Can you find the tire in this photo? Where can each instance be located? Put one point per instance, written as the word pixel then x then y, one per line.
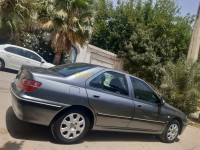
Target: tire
pixel 68 129
pixel 171 132
pixel 2 64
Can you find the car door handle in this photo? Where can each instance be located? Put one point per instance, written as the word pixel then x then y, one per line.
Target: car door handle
pixel 28 61
pixel 8 55
pixel 96 96
pixel 140 106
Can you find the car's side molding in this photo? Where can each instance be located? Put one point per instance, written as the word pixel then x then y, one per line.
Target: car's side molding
pixel 35 101
pixel 149 120
pixel 124 117
pixel 100 114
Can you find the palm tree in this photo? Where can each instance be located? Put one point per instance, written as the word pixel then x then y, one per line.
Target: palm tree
pixel 14 15
pixel 70 22
pixel 181 85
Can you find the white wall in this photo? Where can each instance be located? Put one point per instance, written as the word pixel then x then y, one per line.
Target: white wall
pixel 94 55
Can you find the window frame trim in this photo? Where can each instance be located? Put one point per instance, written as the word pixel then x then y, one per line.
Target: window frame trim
pixel 35 54
pixel 15 53
pixel 133 95
pixel 129 96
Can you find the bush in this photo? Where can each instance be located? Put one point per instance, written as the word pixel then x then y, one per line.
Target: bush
pixel 181 85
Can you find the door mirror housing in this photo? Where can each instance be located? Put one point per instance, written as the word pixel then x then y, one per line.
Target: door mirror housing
pixel 42 61
pixel 161 102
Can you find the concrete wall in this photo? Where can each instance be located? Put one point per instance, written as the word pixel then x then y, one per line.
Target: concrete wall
pixel 94 55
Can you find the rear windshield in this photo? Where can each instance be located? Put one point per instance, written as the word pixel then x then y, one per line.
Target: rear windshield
pixel 70 69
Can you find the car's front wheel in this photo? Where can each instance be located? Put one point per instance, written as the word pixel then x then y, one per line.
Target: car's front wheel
pixel 171 132
pixel 71 127
pixel 2 64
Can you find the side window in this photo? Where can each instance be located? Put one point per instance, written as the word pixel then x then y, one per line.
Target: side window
pixel 9 49
pixel 143 92
pixel 32 56
pixel 15 50
pixel 111 81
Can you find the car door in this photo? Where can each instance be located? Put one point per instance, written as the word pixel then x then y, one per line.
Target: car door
pixel 32 59
pixel 108 94
pixel 14 57
pixel 147 115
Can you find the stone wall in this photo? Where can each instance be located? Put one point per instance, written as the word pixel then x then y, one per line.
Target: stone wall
pixel 94 55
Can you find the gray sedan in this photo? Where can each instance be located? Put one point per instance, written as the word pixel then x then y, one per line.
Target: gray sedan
pixel 75 98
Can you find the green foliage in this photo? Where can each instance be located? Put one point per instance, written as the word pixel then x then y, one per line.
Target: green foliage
pixel 145 34
pixel 70 21
pixel 16 16
pixel 101 32
pixel 72 17
pixel 38 41
pixel 181 85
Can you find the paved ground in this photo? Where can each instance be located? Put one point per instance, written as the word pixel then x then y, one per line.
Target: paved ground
pixel 18 135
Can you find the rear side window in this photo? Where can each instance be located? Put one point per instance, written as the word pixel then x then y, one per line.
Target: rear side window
pixel 15 50
pixel 32 56
pixel 70 69
pixel 111 81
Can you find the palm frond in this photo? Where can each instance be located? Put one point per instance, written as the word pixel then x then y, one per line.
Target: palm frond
pixel 181 85
pixel 48 24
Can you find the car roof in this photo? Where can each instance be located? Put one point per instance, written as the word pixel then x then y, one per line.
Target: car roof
pixel 20 47
pixel 106 68
pixel 111 70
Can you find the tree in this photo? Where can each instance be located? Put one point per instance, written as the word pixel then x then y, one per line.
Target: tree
pixel 145 34
pixel 181 85
pixel 100 31
pixel 146 55
pixel 14 16
pixel 70 22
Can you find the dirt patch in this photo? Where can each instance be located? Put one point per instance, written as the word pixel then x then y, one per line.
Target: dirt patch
pixel 3 131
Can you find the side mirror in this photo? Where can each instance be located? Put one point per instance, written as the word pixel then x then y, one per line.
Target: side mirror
pixel 161 102
pixel 42 61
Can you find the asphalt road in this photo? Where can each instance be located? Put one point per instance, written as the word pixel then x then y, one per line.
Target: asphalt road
pixel 18 135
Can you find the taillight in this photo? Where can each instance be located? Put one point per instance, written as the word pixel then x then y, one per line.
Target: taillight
pixel 29 85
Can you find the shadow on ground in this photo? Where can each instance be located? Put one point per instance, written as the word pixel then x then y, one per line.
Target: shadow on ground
pixel 23 130
pixel 12 146
pixel 10 71
pixel 102 136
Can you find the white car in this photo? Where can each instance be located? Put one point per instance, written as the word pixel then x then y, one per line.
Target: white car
pixel 13 57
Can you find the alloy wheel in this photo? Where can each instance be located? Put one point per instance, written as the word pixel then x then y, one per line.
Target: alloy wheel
pixel 172 132
pixel 72 126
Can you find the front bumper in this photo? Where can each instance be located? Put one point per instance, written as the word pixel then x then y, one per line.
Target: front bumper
pixel 184 125
pixel 33 111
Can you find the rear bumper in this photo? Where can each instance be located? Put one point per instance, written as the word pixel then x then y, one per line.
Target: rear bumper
pixel 33 111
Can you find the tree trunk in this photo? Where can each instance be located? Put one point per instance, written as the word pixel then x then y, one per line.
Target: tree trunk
pixel 56 60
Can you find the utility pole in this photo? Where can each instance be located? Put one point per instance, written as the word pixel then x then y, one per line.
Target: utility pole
pixel 193 52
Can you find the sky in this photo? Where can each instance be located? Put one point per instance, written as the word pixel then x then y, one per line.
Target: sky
pixel 187 6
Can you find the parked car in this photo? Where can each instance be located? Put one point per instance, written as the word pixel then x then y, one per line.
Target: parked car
pixel 13 57
pixel 77 97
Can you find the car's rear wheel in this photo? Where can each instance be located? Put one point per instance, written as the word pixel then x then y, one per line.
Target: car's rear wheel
pixel 71 127
pixel 2 64
pixel 171 132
